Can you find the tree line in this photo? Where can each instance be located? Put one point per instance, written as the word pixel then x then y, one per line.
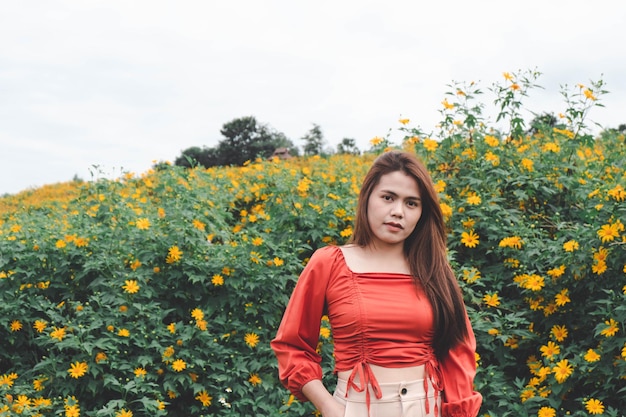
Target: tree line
pixel 245 139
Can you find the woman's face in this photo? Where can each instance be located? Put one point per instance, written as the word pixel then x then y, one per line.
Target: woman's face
pixel 393 209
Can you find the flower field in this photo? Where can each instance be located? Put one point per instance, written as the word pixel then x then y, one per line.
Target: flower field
pixel 158 294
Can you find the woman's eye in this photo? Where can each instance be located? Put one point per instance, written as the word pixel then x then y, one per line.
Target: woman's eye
pixel 387 197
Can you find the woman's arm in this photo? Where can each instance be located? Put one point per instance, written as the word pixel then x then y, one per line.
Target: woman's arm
pixel 317 393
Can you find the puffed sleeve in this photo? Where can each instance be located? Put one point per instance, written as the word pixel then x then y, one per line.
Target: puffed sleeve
pixel 298 334
pixel 458 369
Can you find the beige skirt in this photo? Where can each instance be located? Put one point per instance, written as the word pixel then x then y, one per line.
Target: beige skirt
pixel 399 399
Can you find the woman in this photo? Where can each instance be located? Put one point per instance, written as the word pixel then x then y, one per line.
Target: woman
pixel 403 343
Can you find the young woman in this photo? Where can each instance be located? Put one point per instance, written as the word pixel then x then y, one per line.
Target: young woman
pixel 403 343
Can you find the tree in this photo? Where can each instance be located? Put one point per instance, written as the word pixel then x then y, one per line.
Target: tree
pixel 246 139
pixel 540 122
pixel 314 141
pixel 348 146
pixel 195 155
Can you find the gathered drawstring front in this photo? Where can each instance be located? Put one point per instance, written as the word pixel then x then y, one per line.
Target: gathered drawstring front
pixel 367 379
pixel 433 373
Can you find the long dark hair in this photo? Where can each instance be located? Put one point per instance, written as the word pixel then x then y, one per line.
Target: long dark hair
pixel 425 248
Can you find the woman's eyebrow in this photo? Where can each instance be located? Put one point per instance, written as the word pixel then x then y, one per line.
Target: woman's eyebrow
pixel 393 193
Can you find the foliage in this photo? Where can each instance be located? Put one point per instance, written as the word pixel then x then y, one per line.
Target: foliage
pixel 348 145
pixel 314 141
pixel 245 139
pixel 158 294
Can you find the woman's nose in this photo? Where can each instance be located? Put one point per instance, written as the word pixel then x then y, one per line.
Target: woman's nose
pixel 397 210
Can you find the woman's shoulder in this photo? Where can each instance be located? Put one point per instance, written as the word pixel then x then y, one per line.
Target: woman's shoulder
pixel 330 251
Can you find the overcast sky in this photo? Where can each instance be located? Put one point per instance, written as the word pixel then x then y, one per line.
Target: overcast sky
pixel 120 84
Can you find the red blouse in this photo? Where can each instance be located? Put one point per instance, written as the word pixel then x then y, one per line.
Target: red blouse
pixel 376 318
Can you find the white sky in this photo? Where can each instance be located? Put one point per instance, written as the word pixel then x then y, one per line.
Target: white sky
pixel 120 84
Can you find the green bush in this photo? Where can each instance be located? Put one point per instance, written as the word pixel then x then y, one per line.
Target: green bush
pixel 158 294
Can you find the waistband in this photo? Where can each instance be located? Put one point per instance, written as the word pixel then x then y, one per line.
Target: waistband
pixel 389 391
pixel 367 380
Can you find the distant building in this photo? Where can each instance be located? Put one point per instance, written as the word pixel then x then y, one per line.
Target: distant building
pixel 282 153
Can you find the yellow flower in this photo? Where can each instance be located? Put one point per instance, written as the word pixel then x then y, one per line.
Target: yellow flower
pixel 611 329
pixel 375 141
pixel 512 342
pixel 197 314
pixel 493 158
pixel 562 297
pixel 592 356
pixel 217 280
pixel 254 379
pixel 38 384
pixel 550 350
pixel 140 372
pixel 559 332
pixel 278 261
pixel 447 105
pixel 546 412
pixel 527 164
pixel 446 210
pixel 257 241
pixel 123 333
pixel 491 300
pixel 556 272
pixel 507 76
pixel 404 121
pixel 470 239
pixel 178 365
pixel 347 232
pixel 599 267
pixel 251 339
pixel 440 186
pixel 143 224
pixel 511 242
pixel 594 406
pixel 562 370
pixel 101 356
pixel 532 282
pixel 471 275
pixel 135 265
pixel 618 193
pixel 609 232
pixel 589 94
pixel 172 328
pixel 174 255
pixel 430 145
pixel 199 225
pixel 58 333
pixel 204 398
pixel 124 413
pixel 16 326
pixel 473 200
pixel 60 244
pixel 72 410
pixel 570 246
pixel 168 352
pixel 492 141
pixel 77 369
pixel 551 147
pixel 469 223
pixel 325 332
pixel 130 286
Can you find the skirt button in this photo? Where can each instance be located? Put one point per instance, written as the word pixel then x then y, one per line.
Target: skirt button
pixel 403 391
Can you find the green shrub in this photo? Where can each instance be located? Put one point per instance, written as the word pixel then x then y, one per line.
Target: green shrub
pixel 158 294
